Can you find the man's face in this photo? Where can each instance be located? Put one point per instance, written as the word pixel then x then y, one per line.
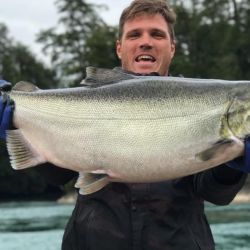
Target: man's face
pixel 146 45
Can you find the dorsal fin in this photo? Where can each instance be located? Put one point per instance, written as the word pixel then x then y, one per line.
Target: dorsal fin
pixel 25 86
pixel 99 76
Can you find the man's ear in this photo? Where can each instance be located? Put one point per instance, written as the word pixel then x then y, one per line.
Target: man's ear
pixel 118 48
pixel 172 49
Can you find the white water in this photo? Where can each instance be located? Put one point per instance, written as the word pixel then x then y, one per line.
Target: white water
pixel 39 225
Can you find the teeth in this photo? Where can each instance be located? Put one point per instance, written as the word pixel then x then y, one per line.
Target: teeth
pixel 145 57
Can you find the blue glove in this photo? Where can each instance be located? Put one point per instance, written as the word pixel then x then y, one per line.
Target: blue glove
pixel 6 109
pixel 242 163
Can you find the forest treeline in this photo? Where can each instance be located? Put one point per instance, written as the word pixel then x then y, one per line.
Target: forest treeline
pixel 212 41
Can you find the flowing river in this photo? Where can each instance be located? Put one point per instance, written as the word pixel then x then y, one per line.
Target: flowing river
pixel 39 225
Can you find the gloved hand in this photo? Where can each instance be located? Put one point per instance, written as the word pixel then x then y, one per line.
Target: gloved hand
pixel 6 109
pixel 242 163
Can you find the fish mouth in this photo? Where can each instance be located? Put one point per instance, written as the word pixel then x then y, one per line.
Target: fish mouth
pixel 145 58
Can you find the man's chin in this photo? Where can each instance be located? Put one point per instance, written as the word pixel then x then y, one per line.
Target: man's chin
pixel 145 70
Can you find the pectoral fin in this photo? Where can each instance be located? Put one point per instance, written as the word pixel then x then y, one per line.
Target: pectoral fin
pixel 218 149
pixel 90 183
pixel 22 154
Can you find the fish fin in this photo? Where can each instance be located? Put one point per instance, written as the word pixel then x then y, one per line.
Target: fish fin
pixel 216 150
pixel 25 86
pixel 90 183
pixel 21 153
pixel 96 77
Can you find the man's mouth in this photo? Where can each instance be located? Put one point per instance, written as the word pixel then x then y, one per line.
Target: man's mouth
pixel 145 58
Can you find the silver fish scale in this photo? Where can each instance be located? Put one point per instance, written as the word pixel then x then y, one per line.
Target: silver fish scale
pixel 141 130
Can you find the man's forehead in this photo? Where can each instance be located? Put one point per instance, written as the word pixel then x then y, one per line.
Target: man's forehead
pixel 146 21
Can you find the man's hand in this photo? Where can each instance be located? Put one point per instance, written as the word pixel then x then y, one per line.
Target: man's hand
pixel 6 109
pixel 242 163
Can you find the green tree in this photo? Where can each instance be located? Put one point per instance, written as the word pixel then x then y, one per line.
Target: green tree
pixel 212 39
pixel 80 39
pixel 100 46
pixel 18 63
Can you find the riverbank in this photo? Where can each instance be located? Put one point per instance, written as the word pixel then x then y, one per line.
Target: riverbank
pixel 242 197
pixel 40 225
pixel 69 198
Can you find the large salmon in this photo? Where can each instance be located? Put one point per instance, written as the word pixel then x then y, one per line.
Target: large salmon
pixel 120 127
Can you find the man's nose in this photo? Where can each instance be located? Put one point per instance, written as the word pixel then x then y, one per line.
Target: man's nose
pixel 146 42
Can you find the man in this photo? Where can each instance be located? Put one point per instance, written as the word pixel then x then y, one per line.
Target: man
pixel 165 215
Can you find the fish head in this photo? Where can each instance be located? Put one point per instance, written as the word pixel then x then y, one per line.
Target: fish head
pixel 238 117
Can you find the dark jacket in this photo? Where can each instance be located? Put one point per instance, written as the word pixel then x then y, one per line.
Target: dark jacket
pixel 157 216
pixel 165 215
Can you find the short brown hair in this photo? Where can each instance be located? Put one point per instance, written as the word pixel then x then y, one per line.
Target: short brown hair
pixel 151 7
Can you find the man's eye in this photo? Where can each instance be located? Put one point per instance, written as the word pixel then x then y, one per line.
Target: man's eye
pixel 133 35
pixel 158 35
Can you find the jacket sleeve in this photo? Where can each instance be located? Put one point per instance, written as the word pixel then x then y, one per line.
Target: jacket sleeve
pixel 55 175
pixel 219 185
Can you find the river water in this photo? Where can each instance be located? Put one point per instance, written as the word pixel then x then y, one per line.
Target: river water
pixel 39 225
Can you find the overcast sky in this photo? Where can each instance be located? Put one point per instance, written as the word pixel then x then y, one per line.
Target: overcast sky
pixel 25 18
